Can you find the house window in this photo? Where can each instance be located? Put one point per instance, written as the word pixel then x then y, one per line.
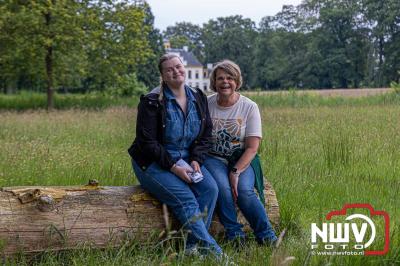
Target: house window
pixel 205 86
pixel 190 84
pixel 197 74
pixel 190 74
pixel 197 85
pixel 204 74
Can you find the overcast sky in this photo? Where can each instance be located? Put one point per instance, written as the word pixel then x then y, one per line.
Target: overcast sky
pixel 168 12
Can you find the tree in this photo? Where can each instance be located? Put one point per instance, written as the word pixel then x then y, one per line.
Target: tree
pixel 14 48
pixel 231 38
pixel 63 43
pixel 383 20
pixel 119 42
pixel 279 59
pixel 147 72
pixel 41 35
pixel 186 34
pixel 342 41
pixel 279 51
pixel 322 45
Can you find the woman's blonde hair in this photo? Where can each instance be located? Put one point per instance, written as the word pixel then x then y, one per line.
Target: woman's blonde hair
pixel 230 68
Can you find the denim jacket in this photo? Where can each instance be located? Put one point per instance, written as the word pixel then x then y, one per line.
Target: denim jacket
pixel 148 146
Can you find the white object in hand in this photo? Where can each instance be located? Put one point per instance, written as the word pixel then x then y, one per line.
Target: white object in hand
pixel 195 176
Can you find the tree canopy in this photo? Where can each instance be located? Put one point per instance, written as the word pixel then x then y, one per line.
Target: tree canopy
pixel 71 44
pixel 87 45
pixel 317 44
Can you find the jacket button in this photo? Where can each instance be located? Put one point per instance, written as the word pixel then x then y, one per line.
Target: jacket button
pixel 163 125
pixel 144 167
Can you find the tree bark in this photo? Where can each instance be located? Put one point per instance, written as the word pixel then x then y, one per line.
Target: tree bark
pixel 34 219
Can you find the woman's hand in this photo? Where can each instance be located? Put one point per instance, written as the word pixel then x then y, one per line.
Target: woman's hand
pixel 196 166
pixel 181 172
pixel 251 147
pixel 234 181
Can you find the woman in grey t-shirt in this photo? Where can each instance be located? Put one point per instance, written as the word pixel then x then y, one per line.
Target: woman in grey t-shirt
pixel 236 137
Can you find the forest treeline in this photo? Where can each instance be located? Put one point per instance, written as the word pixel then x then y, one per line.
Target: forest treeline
pixel 90 45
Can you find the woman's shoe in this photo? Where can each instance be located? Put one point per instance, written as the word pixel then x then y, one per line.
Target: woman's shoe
pixel 274 243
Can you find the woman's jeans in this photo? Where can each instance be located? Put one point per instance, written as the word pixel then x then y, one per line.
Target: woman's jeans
pixel 192 204
pixel 248 203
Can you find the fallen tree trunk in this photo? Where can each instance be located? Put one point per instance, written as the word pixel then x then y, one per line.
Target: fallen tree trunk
pixel 34 219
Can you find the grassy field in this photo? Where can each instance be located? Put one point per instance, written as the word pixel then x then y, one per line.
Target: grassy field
pixel 26 100
pixel 318 157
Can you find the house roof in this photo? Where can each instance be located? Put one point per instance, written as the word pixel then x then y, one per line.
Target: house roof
pixel 187 56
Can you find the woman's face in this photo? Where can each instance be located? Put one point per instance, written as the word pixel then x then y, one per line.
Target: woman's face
pixel 225 84
pixel 173 72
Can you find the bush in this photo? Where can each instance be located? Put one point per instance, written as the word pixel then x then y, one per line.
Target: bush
pixel 127 85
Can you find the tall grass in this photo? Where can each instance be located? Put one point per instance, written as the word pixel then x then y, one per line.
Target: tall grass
pixel 317 158
pixel 66 147
pixel 321 158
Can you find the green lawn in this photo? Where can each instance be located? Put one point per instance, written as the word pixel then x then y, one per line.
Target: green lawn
pixel 317 158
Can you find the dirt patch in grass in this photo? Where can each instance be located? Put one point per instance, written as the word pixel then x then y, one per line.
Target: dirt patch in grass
pixel 351 93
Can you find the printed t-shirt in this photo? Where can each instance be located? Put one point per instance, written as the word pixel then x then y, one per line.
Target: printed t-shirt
pixel 231 125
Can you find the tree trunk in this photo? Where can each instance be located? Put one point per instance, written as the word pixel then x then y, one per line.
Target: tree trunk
pixel 49 73
pixel 380 64
pixel 34 219
pixel 49 67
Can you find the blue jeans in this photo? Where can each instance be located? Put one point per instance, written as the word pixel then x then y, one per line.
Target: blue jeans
pixel 188 202
pixel 248 203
